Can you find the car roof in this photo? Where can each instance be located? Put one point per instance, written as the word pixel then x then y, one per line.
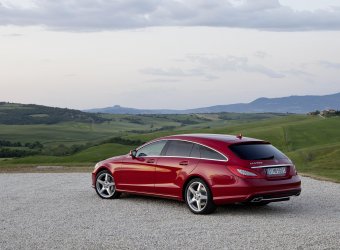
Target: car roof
pixel 204 138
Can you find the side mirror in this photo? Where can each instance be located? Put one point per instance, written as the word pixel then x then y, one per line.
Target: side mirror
pixel 133 153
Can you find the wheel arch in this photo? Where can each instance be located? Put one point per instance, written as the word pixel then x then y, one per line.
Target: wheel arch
pixel 101 168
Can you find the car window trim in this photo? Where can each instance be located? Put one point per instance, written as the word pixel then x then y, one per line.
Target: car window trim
pixel 188 157
pixel 170 139
pixel 271 166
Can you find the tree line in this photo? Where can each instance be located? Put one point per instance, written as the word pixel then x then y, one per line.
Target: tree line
pixel 10 149
pixel 33 145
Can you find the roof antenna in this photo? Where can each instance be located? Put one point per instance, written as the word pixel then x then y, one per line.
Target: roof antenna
pixel 239 136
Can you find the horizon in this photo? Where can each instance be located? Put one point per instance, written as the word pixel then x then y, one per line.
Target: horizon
pixel 168 54
pixel 141 108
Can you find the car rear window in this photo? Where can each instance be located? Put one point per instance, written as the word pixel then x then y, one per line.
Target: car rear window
pixel 256 151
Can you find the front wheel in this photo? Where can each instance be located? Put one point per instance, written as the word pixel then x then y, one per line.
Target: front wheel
pixel 106 186
pixel 198 197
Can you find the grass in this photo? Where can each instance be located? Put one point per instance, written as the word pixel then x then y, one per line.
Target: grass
pixel 320 160
pixel 311 142
pixel 83 158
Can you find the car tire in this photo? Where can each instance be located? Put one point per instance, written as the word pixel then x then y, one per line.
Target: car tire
pixel 198 197
pixel 105 185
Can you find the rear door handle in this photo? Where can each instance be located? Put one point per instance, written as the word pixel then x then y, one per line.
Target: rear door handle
pixel 150 161
pixel 184 163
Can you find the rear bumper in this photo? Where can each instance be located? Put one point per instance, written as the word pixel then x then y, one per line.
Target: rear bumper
pixel 275 196
pixel 248 190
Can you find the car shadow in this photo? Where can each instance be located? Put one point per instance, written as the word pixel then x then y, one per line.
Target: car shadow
pixel 148 198
pixel 275 208
pixel 270 209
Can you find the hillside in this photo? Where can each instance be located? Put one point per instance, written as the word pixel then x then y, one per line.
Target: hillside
pixel 117 109
pixel 312 142
pixel 65 138
pixel 14 113
pixel 291 104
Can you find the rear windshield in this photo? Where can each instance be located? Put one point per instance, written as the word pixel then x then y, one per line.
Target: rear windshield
pixel 257 151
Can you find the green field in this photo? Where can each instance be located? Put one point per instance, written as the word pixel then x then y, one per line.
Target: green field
pixel 312 142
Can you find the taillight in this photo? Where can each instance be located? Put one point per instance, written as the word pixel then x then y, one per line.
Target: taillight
pixel 243 173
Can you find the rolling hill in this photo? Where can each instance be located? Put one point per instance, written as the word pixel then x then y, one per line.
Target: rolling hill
pixel 312 142
pixel 53 136
pixel 291 104
pixel 20 114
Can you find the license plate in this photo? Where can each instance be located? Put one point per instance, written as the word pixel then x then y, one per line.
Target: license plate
pixel 276 171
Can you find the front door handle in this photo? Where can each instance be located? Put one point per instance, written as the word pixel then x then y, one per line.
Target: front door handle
pixel 150 161
pixel 184 163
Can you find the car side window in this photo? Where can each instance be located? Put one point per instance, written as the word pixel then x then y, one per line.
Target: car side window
pixel 195 152
pixel 179 148
pixel 152 149
pixel 210 154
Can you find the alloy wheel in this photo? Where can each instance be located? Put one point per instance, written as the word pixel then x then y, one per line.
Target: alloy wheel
pixel 105 185
pixel 197 196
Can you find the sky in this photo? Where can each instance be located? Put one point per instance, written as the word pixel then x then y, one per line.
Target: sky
pixel 166 54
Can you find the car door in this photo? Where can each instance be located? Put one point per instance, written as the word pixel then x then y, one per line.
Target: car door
pixel 137 174
pixel 173 167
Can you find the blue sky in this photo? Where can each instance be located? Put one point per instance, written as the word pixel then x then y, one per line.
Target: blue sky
pixel 166 54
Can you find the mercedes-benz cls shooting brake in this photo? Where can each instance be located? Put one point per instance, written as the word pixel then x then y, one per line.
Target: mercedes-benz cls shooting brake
pixel 204 170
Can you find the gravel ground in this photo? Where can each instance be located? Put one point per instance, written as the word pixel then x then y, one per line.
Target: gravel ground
pixel 62 211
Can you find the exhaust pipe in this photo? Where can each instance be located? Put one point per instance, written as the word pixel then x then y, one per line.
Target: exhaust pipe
pixel 257 199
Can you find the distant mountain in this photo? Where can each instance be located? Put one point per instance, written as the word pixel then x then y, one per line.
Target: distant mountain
pixel 290 104
pixel 24 114
pixel 117 109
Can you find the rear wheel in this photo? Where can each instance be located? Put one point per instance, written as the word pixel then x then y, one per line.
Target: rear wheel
pixel 198 197
pixel 105 185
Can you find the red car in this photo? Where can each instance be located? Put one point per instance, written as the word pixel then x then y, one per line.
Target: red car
pixel 204 170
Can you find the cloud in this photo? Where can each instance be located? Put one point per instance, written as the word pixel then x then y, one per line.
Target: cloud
pixel 261 54
pixel 94 15
pixel 298 73
pixel 179 72
pixel 173 72
pixel 160 80
pixel 234 63
pixel 13 35
pixel 330 65
pixel 207 66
